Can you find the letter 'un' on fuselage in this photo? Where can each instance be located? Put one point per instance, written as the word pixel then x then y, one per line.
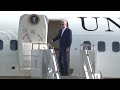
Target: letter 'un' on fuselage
pixel 96 23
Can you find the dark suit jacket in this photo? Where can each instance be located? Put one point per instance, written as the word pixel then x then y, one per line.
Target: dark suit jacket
pixel 65 40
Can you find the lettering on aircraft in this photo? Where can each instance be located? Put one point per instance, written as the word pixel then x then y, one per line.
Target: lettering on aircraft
pixel 96 21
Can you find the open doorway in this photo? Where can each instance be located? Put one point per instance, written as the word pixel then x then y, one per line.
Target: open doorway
pixel 53 29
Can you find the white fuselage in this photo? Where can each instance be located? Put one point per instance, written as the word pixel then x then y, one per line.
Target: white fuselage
pixel 107 62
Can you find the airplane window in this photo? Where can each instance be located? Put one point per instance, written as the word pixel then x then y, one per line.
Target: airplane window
pixel 101 46
pixel 89 43
pixel 13 45
pixel 1 44
pixel 115 47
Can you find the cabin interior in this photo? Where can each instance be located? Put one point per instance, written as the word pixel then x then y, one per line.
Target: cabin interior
pixel 53 29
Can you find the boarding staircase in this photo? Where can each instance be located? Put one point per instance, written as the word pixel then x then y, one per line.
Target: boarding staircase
pixel 88 57
pixel 41 62
pixel 45 62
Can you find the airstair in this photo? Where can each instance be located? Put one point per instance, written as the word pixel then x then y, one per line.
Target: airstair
pixel 44 63
pixel 88 57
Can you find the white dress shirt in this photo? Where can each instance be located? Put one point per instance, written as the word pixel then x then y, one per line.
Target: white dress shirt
pixel 62 31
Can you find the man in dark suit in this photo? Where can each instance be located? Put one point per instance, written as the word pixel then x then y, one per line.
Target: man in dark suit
pixel 65 39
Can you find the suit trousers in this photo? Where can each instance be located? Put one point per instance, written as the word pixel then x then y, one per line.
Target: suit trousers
pixel 63 63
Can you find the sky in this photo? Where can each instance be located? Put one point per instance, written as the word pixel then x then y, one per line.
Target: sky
pixel 15 15
pixel 65 14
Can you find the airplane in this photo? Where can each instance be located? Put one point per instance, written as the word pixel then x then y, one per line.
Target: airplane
pixel 95 45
